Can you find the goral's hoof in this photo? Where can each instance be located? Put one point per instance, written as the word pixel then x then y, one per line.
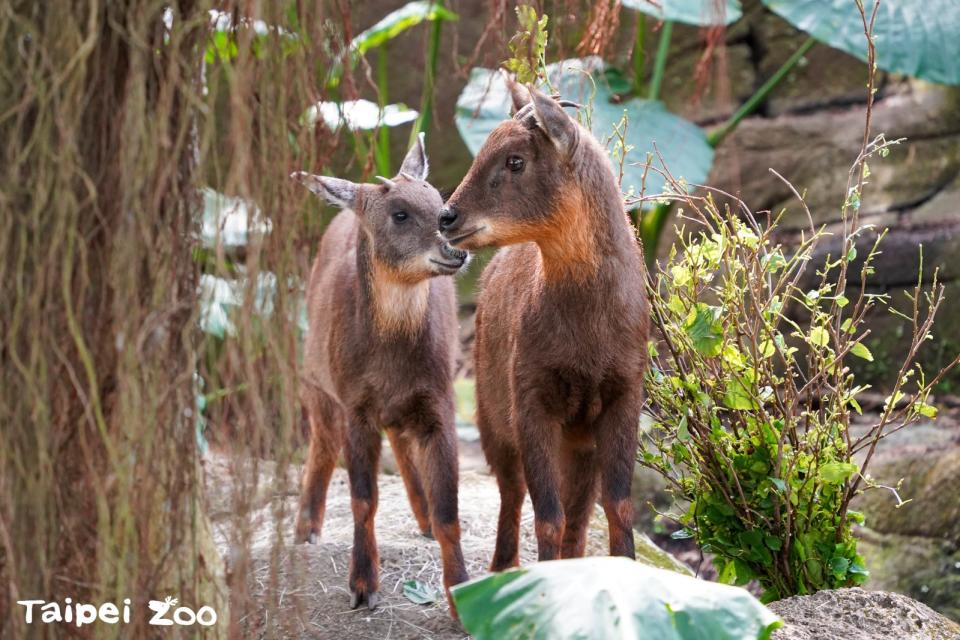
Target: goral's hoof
pixel 359 597
pixel 306 530
pixel 306 535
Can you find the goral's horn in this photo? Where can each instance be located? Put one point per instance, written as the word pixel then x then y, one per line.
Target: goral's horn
pixel 408 176
pixel 525 111
pixel 387 181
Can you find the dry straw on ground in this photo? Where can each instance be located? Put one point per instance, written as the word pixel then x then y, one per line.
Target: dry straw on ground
pixel 301 590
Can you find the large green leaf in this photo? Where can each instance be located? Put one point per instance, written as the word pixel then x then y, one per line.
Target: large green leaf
pixel 916 37
pixel 395 22
pixel 608 598
pixel 230 222
pixel 223 38
pixel 389 27
pixel 220 300
pixel 420 593
pixel 696 12
pixel 485 103
pixel 358 115
pixel 705 330
pixel 837 472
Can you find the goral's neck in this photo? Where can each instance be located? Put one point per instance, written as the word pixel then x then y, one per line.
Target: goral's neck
pixel 568 245
pixel 396 305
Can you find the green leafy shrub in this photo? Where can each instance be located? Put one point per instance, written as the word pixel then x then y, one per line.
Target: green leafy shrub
pixel 528 45
pixel 752 407
pixel 608 598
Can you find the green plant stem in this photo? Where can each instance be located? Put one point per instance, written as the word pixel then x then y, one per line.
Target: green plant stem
pixel 660 63
pixel 651 225
pixel 716 136
pixel 360 148
pixel 220 394
pixel 382 149
pixel 639 60
pixel 426 102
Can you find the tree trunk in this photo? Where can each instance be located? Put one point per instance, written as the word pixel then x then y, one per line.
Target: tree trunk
pixel 98 209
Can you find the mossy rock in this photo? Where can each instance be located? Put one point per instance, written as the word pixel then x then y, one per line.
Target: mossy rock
pixel 926 569
pixel 649 496
pixel 896 271
pixel 930 482
pixel 889 342
pixel 647 550
pixel 649 553
pixel 814 150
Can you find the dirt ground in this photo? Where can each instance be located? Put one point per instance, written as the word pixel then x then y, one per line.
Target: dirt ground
pixel 300 591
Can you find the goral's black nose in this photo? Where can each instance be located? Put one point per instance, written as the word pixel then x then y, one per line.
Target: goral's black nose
pixel 447 218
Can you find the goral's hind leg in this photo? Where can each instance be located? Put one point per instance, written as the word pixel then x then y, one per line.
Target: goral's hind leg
pixel 502 454
pixel 504 461
pixel 326 440
pixel 437 437
pixel 617 447
pixel 578 470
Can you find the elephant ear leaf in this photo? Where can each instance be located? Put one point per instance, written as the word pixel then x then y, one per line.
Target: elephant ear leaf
pixel 608 598
pixel 913 37
pixel 699 13
pixel 396 22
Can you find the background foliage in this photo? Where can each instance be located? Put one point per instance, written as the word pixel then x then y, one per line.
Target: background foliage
pixel 112 123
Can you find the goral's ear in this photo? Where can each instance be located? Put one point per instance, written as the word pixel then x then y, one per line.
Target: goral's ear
pixel 340 193
pixel 553 120
pixel 518 93
pixel 415 164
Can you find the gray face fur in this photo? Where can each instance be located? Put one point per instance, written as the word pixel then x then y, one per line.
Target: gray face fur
pixel 399 217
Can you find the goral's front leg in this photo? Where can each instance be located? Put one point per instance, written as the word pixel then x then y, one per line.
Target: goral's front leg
pixel 363 456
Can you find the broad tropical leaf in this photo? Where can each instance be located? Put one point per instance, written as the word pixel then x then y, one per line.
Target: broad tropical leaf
pixel 699 13
pixel 913 37
pixel 395 22
pixel 358 115
pixel 389 27
pixel 837 472
pixel 420 593
pixel 604 597
pixel 230 221
pixel 221 298
pixel 223 41
pixel 485 103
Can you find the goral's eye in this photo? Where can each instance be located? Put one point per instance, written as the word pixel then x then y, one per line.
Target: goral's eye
pixel 399 216
pixel 515 163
